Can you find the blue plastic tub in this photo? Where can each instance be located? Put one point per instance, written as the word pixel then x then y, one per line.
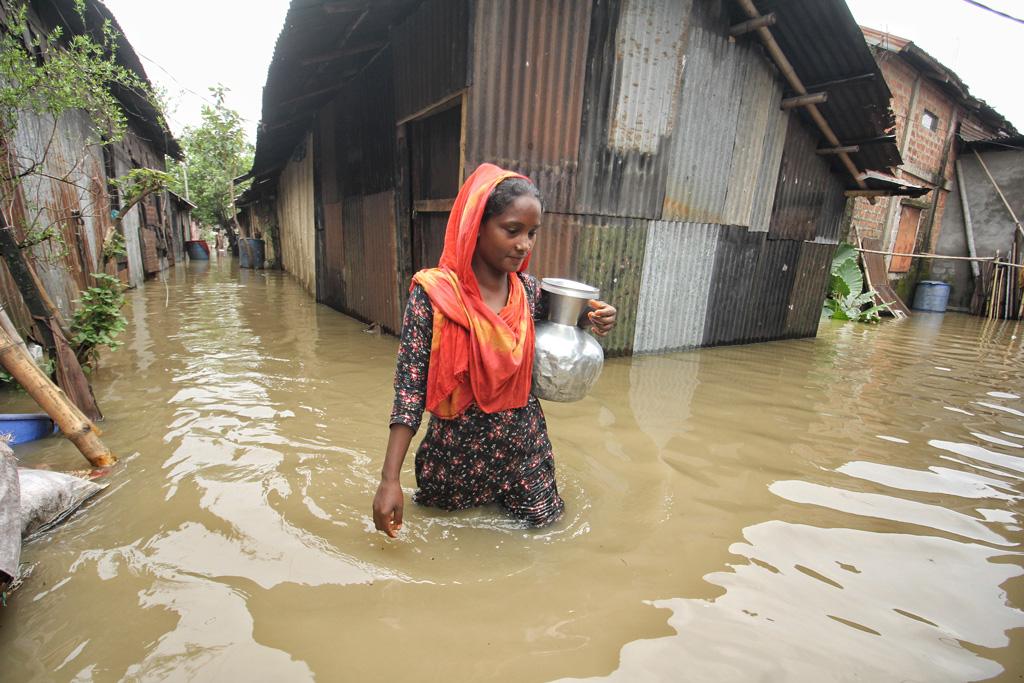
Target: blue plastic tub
pixel 198 250
pixel 25 426
pixel 931 295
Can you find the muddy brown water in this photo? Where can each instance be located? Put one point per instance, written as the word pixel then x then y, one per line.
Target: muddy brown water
pixel 846 507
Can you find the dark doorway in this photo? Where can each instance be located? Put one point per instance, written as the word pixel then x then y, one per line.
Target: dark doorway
pixel 434 159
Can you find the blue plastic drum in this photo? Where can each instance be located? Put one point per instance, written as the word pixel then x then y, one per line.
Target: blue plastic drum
pixel 931 295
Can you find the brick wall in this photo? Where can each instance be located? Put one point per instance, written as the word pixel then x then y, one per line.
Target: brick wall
pixel 922 155
pixel 868 218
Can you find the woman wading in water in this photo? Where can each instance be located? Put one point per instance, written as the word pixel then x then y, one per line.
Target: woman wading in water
pixel 467 355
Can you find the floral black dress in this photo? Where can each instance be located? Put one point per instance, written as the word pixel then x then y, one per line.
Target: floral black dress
pixel 476 458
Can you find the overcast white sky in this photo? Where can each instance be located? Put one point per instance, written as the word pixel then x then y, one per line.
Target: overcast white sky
pixel 189 45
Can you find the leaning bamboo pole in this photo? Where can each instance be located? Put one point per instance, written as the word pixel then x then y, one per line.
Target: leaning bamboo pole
pixel 72 422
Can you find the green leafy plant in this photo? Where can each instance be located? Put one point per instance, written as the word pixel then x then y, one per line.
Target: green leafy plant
pixel 847 298
pixel 98 320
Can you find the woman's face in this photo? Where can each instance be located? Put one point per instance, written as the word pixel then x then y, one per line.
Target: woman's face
pixel 506 239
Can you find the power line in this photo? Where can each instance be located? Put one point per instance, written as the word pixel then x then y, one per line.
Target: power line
pixel 184 87
pixel 994 11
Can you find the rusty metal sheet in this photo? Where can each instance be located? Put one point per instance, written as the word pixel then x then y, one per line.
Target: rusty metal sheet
pixel 525 103
pixel 634 70
pixel 611 257
pixel 371 262
pixel 801 189
pixel 701 151
pixel 332 267
pixel 729 304
pixel 555 253
pixel 677 276
pixel 431 54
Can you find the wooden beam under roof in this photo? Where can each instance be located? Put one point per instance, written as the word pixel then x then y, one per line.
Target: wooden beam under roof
pixel 752 25
pixel 786 67
pixel 345 52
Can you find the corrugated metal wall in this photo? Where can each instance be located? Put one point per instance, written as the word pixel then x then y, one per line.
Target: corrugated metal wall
pixel 78 208
pixel 295 215
pixel 635 63
pixel 556 252
pixel 809 289
pixel 371 266
pixel 431 53
pixel 771 288
pixel 677 277
pixel 758 127
pixel 365 130
pixel 728 306
pixel 802 186
pixel 611 256
pixel 525 106
pixel 702 145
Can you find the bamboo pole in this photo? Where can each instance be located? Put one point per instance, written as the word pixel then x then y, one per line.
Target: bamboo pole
pixel 965 209
pixel 798 88
pixel 76 426
pixel 941 257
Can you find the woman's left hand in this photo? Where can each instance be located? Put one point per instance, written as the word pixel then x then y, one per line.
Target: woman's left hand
pixel 602 317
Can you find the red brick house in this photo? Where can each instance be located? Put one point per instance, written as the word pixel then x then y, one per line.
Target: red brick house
pixel 933 107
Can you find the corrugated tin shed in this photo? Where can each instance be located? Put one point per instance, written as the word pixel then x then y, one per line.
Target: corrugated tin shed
pixel 672 178
pixel 139 109
pixel 323 46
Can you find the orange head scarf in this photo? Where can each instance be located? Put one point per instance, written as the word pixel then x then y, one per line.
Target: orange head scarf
pixel 476 354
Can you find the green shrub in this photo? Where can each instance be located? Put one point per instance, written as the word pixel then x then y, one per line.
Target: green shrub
pixel 847 298
pixel 98 320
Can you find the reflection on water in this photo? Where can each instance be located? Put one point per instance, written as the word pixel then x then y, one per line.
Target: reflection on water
pixel 831 509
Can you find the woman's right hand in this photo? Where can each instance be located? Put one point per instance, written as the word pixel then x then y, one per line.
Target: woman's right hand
pixel 387 507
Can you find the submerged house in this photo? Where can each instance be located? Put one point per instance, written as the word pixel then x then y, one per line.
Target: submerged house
pixel 72 194
pixel 695 156
pixel 936 116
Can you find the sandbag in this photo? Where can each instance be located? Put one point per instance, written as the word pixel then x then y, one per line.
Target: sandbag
pixel 48 497
pixel 10 515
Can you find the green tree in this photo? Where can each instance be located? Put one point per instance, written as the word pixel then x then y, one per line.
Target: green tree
pixel 216 152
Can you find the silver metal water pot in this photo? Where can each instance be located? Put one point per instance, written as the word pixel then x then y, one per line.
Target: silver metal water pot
pixel 566 360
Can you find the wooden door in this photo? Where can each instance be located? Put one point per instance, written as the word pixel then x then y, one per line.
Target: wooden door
pixel 434 158
pixel 906 239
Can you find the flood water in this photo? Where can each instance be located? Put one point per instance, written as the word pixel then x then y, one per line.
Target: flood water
pixel 840 508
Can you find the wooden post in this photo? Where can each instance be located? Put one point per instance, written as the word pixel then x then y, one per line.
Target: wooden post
pixel 27 284
pixel 805 100
pixel 848 149
pixel 968 225
pixel 77 427
pixel 752 25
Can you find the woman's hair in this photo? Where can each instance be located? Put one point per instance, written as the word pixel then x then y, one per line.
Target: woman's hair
pixel 506 192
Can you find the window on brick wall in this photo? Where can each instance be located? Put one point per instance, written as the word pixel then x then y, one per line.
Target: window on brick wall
pixel 930 120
